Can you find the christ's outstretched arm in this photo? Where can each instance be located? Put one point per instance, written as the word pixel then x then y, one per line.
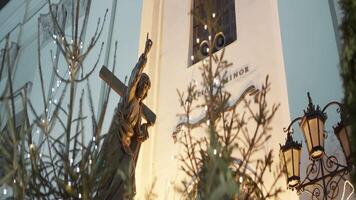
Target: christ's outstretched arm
pixel 137 71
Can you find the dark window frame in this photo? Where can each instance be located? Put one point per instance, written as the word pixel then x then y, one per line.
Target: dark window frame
pixel 225 12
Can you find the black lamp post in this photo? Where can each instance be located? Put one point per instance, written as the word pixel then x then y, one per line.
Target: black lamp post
pixel 324 172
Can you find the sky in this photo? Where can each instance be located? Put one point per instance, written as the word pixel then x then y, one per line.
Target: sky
pixel 310 53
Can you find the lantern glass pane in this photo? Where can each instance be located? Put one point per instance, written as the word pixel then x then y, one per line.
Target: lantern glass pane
pixel 282 163
pixel 289 164
pixel 305 129
pixel 317 136
pixel 281 159
pixel 314 138
pixel 296 160
pixel 344 141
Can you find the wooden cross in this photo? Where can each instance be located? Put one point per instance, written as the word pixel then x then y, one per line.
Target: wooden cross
pixel 120 88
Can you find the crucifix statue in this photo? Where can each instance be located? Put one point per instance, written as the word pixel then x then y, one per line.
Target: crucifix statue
pixel 121 146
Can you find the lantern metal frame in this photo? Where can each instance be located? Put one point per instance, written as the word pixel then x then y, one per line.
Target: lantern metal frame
pixel 322 175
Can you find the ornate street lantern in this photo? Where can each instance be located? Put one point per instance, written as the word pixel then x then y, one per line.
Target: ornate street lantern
pixel 342 133
pixel 324 172
pixel 290 156
pixel 312 125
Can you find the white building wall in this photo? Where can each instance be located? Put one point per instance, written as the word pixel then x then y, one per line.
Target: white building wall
pixel 258 46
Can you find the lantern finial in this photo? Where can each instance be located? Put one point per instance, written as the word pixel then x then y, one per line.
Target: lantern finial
pixel 310 99
pixel 290 143
pixel 312 111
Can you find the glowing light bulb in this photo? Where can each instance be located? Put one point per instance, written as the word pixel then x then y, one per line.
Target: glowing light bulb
pixel 216 81
pixel 192 58
pixel 196 83
pixel 5 191
pixel 79 195
pixel 205 26
pixel 240 179
pixel 78 169
pixel 198 40
pixel 215 151
pixel 213 15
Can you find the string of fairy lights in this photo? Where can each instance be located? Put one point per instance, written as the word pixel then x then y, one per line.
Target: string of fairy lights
pixel 53 101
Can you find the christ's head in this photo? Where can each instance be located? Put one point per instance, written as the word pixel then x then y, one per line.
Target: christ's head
pixel 143 86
